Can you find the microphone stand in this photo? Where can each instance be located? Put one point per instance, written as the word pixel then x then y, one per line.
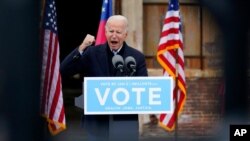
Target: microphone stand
pixel 120 71
pixel 132 69
pixel 132 72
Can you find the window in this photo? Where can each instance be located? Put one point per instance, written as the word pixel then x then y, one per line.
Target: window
pixel 201 36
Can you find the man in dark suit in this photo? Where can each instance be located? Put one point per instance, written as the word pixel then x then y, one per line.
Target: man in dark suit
pixel 96 61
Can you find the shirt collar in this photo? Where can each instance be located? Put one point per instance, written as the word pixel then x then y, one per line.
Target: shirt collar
pixel 116 52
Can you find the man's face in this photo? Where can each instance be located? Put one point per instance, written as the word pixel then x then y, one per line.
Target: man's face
pixel 116 34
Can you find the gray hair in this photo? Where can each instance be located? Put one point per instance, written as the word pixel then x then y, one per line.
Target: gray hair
pixel 118 17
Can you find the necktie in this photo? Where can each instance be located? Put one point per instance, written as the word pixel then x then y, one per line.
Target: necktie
pixel 114 52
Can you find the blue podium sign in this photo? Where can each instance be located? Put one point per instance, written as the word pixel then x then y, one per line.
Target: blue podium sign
pixel 128 95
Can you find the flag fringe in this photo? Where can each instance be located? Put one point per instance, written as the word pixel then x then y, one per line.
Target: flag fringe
pixel 50 121
pixel 175 46
pixel 55 132
pixel 162 125
pixel 179 112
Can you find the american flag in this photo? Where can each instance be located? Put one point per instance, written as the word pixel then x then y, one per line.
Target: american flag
pixel 106 13
pixel 170 57
pixel 52 107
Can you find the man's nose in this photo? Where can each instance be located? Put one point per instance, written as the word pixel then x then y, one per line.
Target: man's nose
pixel 114 35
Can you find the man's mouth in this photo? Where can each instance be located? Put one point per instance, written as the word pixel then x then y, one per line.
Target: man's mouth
pixel 114 42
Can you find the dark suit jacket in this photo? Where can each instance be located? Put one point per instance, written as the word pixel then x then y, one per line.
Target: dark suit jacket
pixel 95 62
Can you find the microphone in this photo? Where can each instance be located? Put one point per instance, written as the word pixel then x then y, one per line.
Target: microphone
pixel 118 62
pixel 130 64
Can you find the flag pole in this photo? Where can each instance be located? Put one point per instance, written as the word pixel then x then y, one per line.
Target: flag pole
pixel 176 92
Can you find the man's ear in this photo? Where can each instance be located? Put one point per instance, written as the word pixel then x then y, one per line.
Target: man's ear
pixel 126 34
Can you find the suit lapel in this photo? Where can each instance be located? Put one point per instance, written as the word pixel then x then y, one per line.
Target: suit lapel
pixel 125 52
pixel 102 57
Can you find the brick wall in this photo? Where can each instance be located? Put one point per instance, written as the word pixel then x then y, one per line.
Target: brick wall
pixel 202 111
pixel 203 107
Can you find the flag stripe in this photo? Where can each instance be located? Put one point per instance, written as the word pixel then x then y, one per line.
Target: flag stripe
pixel 166 65
pixel 106 13
pixel 174 37
pixel 47 72
pixel 169 25
pixel 101 38
pixel 44 77
pixel 172 13
pixel 52 80
pixel 52 107
pixel 61 117
pixel 55 82
pixel 170 56
pixel 54 104
pixel 174 32
pixel 172 19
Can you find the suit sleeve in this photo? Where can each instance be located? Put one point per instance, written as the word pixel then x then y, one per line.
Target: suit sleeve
pixel 73 63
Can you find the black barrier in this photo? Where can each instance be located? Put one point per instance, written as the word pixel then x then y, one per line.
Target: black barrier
pixel 20 71
pixel 231 16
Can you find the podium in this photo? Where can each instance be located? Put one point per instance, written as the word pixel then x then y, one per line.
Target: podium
pixel 123 98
